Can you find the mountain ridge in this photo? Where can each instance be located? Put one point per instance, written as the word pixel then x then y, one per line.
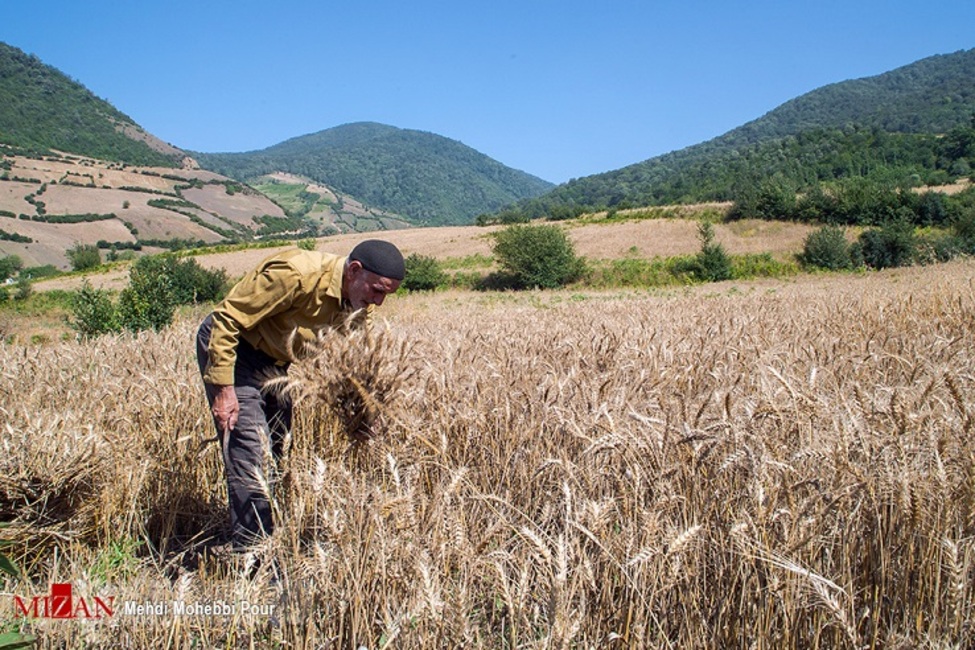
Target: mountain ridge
pixel 386 172
pixel 430 178
pixel 920 101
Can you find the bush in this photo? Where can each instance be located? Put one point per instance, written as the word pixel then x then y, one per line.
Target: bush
pixel 149 301
pixel 423 273
pixel 937 247
pixel 23 289
pixel 892 245
pixel 963 220
pixel 194 284
pixel 188 282
pixel 84 257
pixel 827 248
pixel 9 266
pixel 92 312
pixel 713 262
pixel 932 208
pixel 157 284
pixel 38 272
pixel 537 256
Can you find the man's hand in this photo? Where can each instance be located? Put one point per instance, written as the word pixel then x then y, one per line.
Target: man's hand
pixel 226 408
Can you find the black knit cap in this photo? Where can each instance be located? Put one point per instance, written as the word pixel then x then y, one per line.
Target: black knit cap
pixel 380 257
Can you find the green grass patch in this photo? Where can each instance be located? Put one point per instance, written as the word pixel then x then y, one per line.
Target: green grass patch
pixel 761 265
pixel 639 272
pixel 468 262
pixel 679 270
pixel 294 199
pixel 613 216
pixel 39 303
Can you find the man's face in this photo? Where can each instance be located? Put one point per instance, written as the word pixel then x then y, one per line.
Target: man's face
pixel 365 287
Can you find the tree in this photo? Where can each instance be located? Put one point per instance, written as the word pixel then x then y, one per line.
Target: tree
pixel 713 262
pixel 537 256
pixel 9 266
pixel 84 257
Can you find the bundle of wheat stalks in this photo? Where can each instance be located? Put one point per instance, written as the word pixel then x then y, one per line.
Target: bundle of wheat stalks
pixel 761 466
pixel 352 376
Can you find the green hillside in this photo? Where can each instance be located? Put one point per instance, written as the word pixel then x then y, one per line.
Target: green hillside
pixel 43 109
pixel 430 179
pixel 913 122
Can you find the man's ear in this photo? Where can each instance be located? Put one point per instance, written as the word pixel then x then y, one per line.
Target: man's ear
pixel 354 267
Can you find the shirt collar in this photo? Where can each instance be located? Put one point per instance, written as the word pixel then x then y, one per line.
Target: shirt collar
pixel 334 289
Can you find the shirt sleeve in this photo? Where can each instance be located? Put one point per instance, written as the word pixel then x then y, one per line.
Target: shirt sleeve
pixel 262 293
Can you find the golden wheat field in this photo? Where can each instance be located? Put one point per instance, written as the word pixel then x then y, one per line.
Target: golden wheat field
pixel 758 465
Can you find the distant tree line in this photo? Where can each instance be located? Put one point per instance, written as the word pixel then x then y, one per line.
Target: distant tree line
pixel 853 201
pixel 69 218
pixel 798 164
pixel 14 237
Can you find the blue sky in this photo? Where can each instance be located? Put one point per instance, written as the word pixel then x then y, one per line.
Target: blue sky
pixel 557 89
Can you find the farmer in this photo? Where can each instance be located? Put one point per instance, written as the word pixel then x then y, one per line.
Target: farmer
pixel 254 333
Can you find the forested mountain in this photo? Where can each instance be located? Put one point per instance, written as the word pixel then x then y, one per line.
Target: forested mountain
pixel 916 121
pixel 41 109
pixel 431 179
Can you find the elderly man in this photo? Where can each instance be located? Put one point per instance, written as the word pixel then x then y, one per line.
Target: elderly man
pixel 254 333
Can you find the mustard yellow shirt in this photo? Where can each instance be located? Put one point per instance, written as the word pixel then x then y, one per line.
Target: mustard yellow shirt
pixel 276 308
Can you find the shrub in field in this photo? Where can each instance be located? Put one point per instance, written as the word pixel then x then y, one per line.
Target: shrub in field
pixel 827 248
pixel 149 301
pixel 963 220
pixel 9 266
pixel 23 289
pixel 157 285
pixel 890 246
pixel 938 246
pixel 194 284
pixel 92 312
pixel 713 263
pixel 84 257
pixel 537 256
pixel 423 273
pixel 189 282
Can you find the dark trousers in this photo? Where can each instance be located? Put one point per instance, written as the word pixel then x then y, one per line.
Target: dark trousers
pixel 263 424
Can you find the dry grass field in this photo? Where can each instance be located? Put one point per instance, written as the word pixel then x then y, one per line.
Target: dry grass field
pixel 774 464
pixel 646 238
